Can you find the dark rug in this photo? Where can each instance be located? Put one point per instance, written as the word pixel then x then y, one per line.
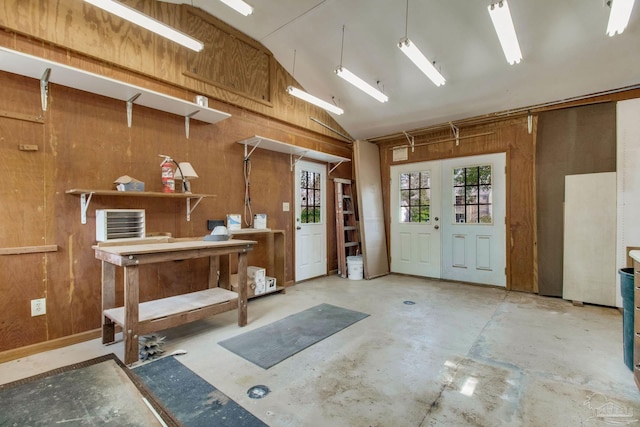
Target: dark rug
pixel 273 343
pixel 192 400
pixel 97 392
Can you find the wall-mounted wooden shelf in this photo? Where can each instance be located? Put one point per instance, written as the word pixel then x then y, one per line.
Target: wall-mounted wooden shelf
pixel 48 71
pixel 296 153
pixel 86 195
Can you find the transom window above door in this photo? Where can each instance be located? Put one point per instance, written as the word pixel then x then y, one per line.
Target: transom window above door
pixel 415 197
pixel 472 195
pixel 310 197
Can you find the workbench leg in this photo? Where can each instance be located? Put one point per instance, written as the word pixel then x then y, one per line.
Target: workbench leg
pixel 214 268
pixel 131 300
pixel 242 289
pixel 225 272
pixel 108 301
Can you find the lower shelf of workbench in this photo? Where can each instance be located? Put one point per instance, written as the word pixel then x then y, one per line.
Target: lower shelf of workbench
pixel 172 311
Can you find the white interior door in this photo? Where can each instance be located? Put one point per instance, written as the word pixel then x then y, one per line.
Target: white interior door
pixel 311 220
pixel 474 219
pixel 415 219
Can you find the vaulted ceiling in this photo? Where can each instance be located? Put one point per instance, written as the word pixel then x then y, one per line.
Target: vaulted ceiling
pixel 566 54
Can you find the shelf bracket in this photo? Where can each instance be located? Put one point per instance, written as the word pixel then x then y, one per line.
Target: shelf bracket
pixel 456 133
pixel 334 168
pixel 294 162
pixel 84 205
pixel 247 156
pixel 190 209
pixel 130 108
pixel 411 140
pixel 44 88
pixel 187 118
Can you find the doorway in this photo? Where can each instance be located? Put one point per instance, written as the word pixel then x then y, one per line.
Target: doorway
pixel 311 220
pixel 448 219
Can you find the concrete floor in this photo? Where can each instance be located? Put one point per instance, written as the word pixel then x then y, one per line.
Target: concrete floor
pixel 461 355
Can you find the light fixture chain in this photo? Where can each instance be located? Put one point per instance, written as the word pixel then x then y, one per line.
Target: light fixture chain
pixel 293 72
pixel 342 46
pixel 406 21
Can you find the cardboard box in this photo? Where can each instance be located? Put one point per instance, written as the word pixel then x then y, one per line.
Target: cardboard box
pixel 257 275
pixel 126 183
pixel 234 222
pixel 270 284
pixel 260 221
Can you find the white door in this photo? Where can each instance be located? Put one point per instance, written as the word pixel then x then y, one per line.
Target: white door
pixel 474 219
pixel 311 220
pixel 415 219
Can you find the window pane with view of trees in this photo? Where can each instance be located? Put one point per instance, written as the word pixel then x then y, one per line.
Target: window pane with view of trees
pixel 472 195
pixel 415 196
pixel 310 197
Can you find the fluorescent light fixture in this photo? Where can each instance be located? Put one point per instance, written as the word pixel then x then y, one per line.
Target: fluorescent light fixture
pixel 619 16
pixel 421 61
pixel 361 84
pixel 136 17
pixel 239 6
pixel 315 101
pixel 501 17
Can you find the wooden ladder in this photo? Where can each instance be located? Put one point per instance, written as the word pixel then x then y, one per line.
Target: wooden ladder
pixel 347 232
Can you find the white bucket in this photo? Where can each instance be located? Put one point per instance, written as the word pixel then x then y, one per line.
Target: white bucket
pixel 355 268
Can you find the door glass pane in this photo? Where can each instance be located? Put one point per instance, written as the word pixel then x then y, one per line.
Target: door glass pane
pixel 472 195
pixel 310 197
pixel 415 197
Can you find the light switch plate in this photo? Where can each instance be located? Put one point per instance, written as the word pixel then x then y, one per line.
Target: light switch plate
pixel 285 206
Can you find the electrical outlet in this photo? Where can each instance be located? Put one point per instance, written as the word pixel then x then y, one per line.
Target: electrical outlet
pixel 38 307
pixel 285 206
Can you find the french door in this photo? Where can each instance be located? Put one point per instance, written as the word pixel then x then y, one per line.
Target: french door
pixel 448 219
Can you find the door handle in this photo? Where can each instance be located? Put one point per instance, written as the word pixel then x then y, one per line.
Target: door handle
pixel 298 228
pixel 436 227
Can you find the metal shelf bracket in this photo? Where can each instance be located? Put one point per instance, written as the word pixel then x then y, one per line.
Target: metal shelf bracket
pixel 130 102
pixel 44 88
pixel 84 205
pixel 190 209
pixel 186 122
pixel 334 168
pixel 294 162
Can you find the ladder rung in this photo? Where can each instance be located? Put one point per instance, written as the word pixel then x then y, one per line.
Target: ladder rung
pixel 348 212
pixel 349 227
pixel 346 196
pixel 350 244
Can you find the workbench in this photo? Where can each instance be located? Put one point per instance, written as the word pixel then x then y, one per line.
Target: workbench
pixel 138 319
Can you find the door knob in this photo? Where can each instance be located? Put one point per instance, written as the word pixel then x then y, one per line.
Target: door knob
pixel 436 218
pixel 298 228
pixel 436 227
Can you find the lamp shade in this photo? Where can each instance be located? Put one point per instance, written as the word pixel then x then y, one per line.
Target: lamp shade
pixel 185 171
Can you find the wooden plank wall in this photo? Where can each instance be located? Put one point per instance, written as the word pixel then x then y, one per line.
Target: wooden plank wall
pixel 232 68
pixel 83 142
pixel 502 135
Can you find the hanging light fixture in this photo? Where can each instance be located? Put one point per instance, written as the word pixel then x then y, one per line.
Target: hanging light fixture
pixel 357 81
pixel 502 22
pixel 136 17
pixel 314 100
pixel 619 16
pixel 361 84
pixel 310 98
pixel 239 6
pixel 415 55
